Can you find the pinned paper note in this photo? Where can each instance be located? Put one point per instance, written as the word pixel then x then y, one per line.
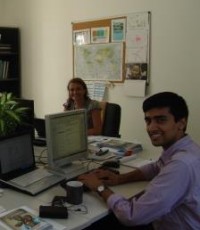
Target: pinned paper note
pixel 135 88
pixel 96 90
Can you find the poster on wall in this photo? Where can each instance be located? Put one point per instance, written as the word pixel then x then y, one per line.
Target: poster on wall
pixel 137 61
pixel 81 37
pixel 136 71
pixel 118 28
pixel 99 62
pixel 100 35
pixel 119 51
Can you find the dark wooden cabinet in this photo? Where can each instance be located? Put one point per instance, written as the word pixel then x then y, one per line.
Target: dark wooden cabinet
pixel 10 79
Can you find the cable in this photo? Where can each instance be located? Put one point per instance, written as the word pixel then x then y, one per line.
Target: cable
pixel 40 157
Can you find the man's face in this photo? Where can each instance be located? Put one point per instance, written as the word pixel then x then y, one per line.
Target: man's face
pixel 162 128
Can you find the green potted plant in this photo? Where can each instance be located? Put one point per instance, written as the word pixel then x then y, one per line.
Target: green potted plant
pixel 11 114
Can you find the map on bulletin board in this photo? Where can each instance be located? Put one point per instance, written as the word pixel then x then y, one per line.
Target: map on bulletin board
pixel 99 62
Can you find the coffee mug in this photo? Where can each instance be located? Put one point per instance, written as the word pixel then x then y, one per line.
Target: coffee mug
pixel 74 191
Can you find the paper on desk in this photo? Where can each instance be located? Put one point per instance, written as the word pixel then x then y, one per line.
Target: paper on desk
pixel 120 147
pixel 137 162
pixel 95 139
pixel 45 223
pixel 127 158
pixel 2 209
pixel 101 158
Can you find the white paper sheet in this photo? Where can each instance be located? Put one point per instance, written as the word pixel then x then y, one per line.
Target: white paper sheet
pixel 135 88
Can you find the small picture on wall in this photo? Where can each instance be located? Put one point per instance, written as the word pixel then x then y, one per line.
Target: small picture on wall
pixel 118 30
pixel 81 37
pixel 100 35
pixel 136 71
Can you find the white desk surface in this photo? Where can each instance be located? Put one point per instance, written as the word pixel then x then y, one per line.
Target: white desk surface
pixel 96 207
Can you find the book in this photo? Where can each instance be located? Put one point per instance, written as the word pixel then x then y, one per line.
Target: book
pixel 23 218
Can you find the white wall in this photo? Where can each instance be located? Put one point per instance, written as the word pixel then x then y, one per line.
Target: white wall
pixel 1 11
pixel 46 46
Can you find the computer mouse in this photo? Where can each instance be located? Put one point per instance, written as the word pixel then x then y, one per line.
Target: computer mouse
pixel 111 163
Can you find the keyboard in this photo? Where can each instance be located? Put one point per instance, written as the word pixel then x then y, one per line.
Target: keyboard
pixel 44 183
pixel 31 177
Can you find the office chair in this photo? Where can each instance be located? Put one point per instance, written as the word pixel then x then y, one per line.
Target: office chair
pixel 111 117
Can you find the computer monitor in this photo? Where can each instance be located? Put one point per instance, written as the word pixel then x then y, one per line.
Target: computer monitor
pixel 66 136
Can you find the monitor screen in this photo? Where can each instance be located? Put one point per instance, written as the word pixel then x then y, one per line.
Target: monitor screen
pixel 66 136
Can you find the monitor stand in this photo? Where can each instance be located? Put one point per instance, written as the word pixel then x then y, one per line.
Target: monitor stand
pixel 71 170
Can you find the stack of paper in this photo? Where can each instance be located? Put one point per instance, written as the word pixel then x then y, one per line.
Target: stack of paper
pixel 120 147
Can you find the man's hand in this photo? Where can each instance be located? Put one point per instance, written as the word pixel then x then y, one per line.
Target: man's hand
pixel 98 177
pixel 108 177
pixel 90 180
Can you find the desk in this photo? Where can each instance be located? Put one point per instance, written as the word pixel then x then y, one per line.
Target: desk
pixel 96 207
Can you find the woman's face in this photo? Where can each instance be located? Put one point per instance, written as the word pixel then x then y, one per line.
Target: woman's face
pixel 76 91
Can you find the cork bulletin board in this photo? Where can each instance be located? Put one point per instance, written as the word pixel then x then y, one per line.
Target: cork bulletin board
pixel 107 49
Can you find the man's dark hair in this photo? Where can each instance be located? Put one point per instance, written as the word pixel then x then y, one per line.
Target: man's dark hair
pixel 176 104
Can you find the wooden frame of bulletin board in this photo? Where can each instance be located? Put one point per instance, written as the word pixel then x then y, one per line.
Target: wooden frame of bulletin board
pixel 106 49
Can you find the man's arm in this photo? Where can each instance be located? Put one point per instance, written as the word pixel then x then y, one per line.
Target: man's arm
pixel 105 178
pixel 135 175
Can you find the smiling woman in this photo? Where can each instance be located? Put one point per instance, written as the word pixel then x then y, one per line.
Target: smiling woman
pixel 78 99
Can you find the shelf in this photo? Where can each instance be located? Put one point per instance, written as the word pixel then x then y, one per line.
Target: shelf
pixel 10 78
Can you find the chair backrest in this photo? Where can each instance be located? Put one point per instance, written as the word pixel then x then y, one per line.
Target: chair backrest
pixel 111 117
